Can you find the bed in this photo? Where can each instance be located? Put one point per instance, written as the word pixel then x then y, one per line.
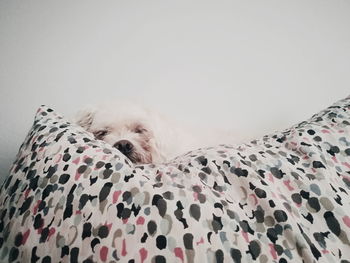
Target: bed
pixel 280 198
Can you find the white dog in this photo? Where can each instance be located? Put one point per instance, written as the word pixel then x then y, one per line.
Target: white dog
pixel 139 133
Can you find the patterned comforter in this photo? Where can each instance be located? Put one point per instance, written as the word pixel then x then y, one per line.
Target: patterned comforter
pixel 281 198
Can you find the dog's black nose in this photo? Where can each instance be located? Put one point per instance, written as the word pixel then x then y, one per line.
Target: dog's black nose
pixel 124 146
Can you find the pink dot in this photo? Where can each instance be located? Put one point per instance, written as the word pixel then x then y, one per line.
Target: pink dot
pixel 51 232
pixel 77 176
pixel 76 161
pixel 245 235
pixel 26 193
pixel 287 183
pixel 25 236
pixel 346 220
pixel 143 254
pixel 35 209
pixel 116 195
pixel 124 248
pixel 103 253
pixel 178 253
pixel 273 251
pixel 140 221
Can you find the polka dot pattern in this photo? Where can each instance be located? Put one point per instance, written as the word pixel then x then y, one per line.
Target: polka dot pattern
pixel 282 198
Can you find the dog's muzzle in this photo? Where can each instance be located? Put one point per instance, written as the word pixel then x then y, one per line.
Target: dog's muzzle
pixel 124 146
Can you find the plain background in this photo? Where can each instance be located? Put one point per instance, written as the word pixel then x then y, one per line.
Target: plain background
pixel 253 66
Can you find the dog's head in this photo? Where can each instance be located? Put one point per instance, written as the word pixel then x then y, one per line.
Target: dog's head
pixel 129 128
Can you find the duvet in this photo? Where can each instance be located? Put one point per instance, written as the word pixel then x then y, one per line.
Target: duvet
pixel 280 198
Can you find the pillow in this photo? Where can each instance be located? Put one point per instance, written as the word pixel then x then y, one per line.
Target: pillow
pixel 281 198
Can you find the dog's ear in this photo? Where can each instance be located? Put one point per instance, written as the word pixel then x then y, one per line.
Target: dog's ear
pixel 84 118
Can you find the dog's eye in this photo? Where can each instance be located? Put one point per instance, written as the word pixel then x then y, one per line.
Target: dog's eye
pixel 100 134
pixel 139 129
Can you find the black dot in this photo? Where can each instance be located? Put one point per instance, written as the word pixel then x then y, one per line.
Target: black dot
pixel 161 242
pixel 144 238
pixel 126 195
pixel 278 229
pixel 272 235
pixel 236 255
pixel 259 215
pixel 74 255
pixel 254 249
pixel 13 254
pixel 296 198
pixel 80 149
pixel 239 172
pixel 335 149
pixel 93 243
pixel 317 139
pixel 260 193
pixel 159 259
pixel 12 212
pixel 103 231
pixel 53 129
pixel 82 169
pixel 332 222
pixel 278 249
pixel 88 160
pixel 86 230
pixel 313 202
pixel 305 194
pixel 18 239
pixel 203 176
pixel 38 221
pixel 64 178
pixel 99 164
pixel 202 160
pixel 219 255
pixel 107 173
pixel 152 227
pixel 277 172
pixel 318 164
pixel 311 132
pixel 280 215
pixel 108 165
pixel 188 240
pixel 126 213
pixel 46 259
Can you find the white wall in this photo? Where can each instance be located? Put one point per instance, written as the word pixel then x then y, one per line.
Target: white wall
pixel 252 66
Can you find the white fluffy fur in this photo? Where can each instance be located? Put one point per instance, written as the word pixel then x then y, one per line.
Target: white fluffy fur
pixel 155 138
